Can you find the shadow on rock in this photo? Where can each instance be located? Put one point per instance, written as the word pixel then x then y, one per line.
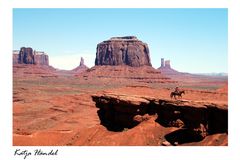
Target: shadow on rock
pixel 108 124
pixel 183 136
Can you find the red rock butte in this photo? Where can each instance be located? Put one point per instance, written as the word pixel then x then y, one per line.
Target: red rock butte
pixel 126 50
pixel 166 68
pixel 26 55
pixel 81 68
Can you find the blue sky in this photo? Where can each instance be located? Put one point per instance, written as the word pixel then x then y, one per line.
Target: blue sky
pixel 195 40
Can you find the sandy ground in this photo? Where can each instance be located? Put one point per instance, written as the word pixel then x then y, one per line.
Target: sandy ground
pixel 57 109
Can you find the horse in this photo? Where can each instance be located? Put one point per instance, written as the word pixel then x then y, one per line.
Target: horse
pixel 179 94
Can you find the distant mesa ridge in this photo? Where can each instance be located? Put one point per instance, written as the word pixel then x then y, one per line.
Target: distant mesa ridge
pixel 126 50
pixel 26 55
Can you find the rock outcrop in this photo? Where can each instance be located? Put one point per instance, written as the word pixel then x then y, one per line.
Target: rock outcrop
pixel 15 57
pixel 195 119
pixel 165 64
pixel 40 58
pixel 123 51
pixel 82 67
pixel 166 68
pixel 26 55
pixel 82 62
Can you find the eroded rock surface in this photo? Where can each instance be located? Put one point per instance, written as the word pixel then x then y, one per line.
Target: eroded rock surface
pixel 41 58
pixel 196 120
pixel 26 55
pixel 123 51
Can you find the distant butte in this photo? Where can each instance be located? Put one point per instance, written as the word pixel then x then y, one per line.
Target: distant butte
pixel 30 63
pixel 166 69
pixel 26 55
pixel 126 50
pixel 82 67
pixel 124 59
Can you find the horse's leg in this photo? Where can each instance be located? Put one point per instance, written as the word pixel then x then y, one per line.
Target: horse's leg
pixel 180 95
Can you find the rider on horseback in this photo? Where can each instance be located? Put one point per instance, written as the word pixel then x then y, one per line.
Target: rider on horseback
pixel 177 90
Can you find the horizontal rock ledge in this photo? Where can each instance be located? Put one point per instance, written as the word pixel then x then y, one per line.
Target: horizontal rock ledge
pixel 121 110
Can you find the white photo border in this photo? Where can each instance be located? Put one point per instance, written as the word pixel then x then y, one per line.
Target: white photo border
pixel 108 153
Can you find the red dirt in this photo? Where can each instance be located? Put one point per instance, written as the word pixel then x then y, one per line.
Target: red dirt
pixel 224 89
pixel 56 108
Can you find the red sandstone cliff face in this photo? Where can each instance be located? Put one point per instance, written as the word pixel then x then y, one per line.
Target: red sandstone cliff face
pixel 28 56
pixel 41 59
pixel 123 51
pixel 195 120
pixel 15 58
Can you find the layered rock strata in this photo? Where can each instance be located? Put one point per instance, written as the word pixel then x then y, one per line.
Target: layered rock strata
pixel 26 55
pixel 123 51
pixel 195 119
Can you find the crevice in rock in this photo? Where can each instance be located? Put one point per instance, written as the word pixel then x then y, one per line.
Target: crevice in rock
pixel 182 136
pixel 195 120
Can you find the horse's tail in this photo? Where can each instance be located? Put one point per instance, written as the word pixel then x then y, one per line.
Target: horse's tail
pixel 171 95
